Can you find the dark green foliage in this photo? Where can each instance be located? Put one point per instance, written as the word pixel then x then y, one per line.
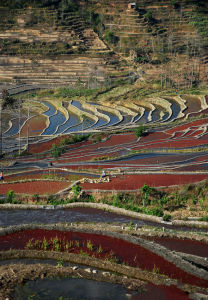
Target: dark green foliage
pixel 36 197
pixel 13 3
pixel 59 149
pixel 10 198
pixel 166 217
pixel 125 201
pixel 146 189
pixel 56 151
pixel 141 59
pixel 111 38
pixel 54 200
pixel 69 6
pixel 148 16
pixel 163 200
pixel 74 139
pixel 140 131
pixel 93 19
pixel 194 199
pixel 8 101
pixel 76 189
pixel 175 4
pixel 154 211
pixel 97 138
pixel 74 92
pixel 205 219
pixel 41 48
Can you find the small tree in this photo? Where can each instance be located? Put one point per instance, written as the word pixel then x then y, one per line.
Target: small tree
pixel 36 197
pixel 145 193
pixel 148 16
pixel 10 196
pixel 111 38
pixel 140 131
pixel 7 99
pixel 56 151
pixel 76 189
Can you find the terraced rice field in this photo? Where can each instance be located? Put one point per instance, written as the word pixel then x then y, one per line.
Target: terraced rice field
pixel 168 154
pixel 98 116
pixel 132 254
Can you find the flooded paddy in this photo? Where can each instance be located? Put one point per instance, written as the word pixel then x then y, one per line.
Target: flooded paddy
pixel 182 245
pixel 85 289
pixel 53 216
pixel 71 288
pixel 55 121
pixel 11 217
pixel 99 246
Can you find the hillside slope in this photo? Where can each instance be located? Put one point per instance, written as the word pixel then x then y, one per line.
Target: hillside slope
pixel 62 42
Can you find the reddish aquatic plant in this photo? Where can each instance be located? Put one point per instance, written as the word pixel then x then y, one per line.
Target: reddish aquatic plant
pixel 121 250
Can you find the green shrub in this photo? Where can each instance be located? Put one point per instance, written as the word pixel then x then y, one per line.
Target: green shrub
pixel 36 197
pixel 155 212
pixel 116 201
pixel 175 4
pixel 163 200
pixel 194 199
pixel 204 218
pixel 167 217
pixel 146 189
pixel 148 16
pixel 63 92
pixel 52 199
pixel 56 151
pixel 140 131
pixel 10 196
pixel 76 189
pixel 111 38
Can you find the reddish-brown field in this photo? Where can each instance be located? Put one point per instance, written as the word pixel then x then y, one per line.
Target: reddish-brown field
pixel 188 125
pixel 133 182
pixel 34 187
pixel 183 143
pixel 36 126
pixel 123 251
pixel 182 245
pixel 161 292
pixel 41 147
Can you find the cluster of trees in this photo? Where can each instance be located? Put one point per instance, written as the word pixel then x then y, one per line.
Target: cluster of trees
pixel 111 38
pixel 58 150
pixel 7 100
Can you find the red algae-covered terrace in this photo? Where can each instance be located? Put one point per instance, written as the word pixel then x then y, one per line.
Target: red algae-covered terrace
pixel 33 187
pixel 127 252
pixel 134 182
pixel 183 143
pixel 182 245
pixel 162 292
pixel 187 125
pixel 46 145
